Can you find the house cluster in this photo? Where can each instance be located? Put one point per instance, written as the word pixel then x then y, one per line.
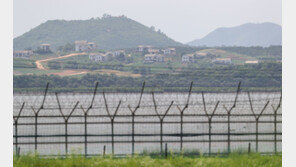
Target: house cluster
pixel 151 58
pixel 23 54
pixel 191 58
pixel 188 58
pixel 84 46
pixel 155 55
pixel 103 57
pixel 45 48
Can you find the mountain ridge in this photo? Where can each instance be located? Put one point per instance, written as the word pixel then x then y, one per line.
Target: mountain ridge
pixel 248 34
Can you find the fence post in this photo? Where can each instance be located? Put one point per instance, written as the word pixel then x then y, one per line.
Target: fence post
pixel 112 117
pixel 210 136
pixel 256 135
pixel 249 148
pixel 228 132
pixel 181 116
pixel 181 134
pixel 275 123
pixel 275 131
pixel 15 126
pixel 160 119
pixel 104 150
pixel 133 133
pixel 85 134
pixel 209 118
pixel 228 116
pixel 112 135
pixel 161 135
pixel 133 112
pixel 18 151
pixel 16 134
pixel 66 127
pixel 37 112
pixel 85 112
pixel 66 121
pixel 36 131
pixel 166 150
pixel 256 117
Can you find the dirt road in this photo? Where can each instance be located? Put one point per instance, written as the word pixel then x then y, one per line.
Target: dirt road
pixel 41 67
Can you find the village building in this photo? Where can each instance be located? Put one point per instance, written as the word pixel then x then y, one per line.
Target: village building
pixel 22 54
pixel 98 57
pixel 188 58
pixel 142 48
pixel 118 53
pixel 153 51
pixel 45 47
pixel 169 51
pixel 222 61
pixel 151 58
pixel 251 62
pixel 84 46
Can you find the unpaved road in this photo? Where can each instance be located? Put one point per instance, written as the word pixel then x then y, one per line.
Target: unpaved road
pixel 70 72
pixel 81 71
pixel 41 67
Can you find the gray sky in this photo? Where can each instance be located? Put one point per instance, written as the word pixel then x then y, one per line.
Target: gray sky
pixel 182 20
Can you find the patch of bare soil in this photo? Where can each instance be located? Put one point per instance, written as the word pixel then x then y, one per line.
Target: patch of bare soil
pixel 70 72
pixel 118 73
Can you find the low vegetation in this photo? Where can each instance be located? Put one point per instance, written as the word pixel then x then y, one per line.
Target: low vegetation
pixel 261 77
pixel 234 160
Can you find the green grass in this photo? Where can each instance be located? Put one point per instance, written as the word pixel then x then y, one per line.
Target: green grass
pixel 233 160
pixel 24 71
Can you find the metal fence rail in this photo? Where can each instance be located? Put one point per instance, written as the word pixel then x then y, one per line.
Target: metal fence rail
pixel 98 126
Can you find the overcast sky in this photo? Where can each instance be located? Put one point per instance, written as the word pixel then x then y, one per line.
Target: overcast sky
pixel 182 20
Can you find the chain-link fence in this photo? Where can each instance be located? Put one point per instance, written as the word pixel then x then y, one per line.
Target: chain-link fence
pixel 128 123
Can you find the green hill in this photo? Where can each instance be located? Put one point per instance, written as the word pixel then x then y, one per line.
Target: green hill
pixel 107 32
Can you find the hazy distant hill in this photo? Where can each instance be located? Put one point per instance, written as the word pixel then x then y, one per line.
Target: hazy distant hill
pixel 108 32
pixel 249 34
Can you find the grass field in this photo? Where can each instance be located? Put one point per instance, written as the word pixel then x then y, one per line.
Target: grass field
pixel 234 160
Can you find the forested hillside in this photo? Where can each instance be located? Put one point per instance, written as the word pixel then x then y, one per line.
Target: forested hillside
pixel 107 32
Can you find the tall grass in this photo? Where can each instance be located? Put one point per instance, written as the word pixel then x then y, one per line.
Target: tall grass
pixel 233 160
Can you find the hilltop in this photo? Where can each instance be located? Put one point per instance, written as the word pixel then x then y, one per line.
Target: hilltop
pixel 107 32
pixel 263 34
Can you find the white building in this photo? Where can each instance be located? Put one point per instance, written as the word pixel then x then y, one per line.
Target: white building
pixel 118 52
pixel 22 54
pixel 97 57
pixel 84 46
pixel 169 51
pixel 45 47
pixel 151 58
pixel 142 48
pixel 188 58
pixel 222 61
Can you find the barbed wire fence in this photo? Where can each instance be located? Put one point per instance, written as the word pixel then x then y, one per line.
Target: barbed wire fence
pixel 130 123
